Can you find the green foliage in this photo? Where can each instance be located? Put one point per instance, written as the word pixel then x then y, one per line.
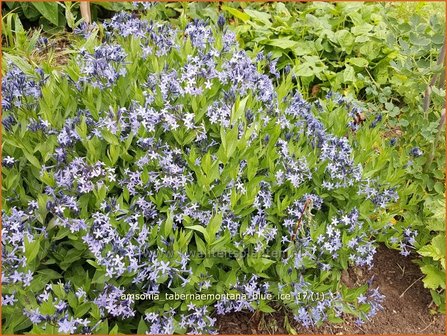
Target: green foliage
pixel 55 16
pixel 383 54
pixel 433 264
pixel 49 15
pixel 372 52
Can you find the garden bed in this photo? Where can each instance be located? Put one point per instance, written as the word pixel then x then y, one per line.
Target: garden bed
pixel 234 168
pixel 394 274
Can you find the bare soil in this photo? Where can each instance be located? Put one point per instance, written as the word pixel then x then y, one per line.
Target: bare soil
pixel 406 306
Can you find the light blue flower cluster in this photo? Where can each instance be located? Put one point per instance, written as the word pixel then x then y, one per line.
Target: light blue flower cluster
pixel 200 157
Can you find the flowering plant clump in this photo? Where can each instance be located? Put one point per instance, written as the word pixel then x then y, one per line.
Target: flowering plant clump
pixel 164 163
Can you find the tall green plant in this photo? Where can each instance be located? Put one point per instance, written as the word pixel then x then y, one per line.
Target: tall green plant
pixel 54 16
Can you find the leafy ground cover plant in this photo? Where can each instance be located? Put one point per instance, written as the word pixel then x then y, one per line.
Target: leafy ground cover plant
pixel 163 161
pixel 385 55
pixel 56 16
pixel 433 252
pixel 359 48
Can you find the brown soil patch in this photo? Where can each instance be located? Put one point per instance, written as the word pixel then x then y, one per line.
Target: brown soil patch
pixel 394 274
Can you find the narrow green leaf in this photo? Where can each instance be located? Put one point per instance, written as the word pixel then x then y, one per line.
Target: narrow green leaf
pixel 214 226
pixel 200 229
pixel 236 13
pixel 49 10
pixel 31 249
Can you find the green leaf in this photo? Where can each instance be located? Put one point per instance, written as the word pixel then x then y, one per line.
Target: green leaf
pixel 265 308
pixel 167 227
pixel 32 159
pixel 238 110
pixel 49 10
pixel 201 248
pixel 83 309
pixel 114 152
pixel 229 141
pixel 103 328
pixel 142 327
pixel 370 50
pixel 115 330
pixel 200 229
pixel 418 40
pixel 345 39
pixel 436 249
pixel 349 74
pixel 362 29
pixel 236 13
pixel 31 249
pixel 72 256
pixel 11 5
pixel 214 226
pixel 206 163
pixel 259 16
pixel 30 11
pixel 304 48
pixel 114 6
pixel 110 138
pixel 260 264
pixel 358 62
pixel 439 188
pixel 49 274
pixel 304 70
pixel 252 166
pixel 283 43
pixel 434 277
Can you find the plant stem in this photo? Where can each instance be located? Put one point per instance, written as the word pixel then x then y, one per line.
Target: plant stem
pixel 435 143
pixel 428 90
